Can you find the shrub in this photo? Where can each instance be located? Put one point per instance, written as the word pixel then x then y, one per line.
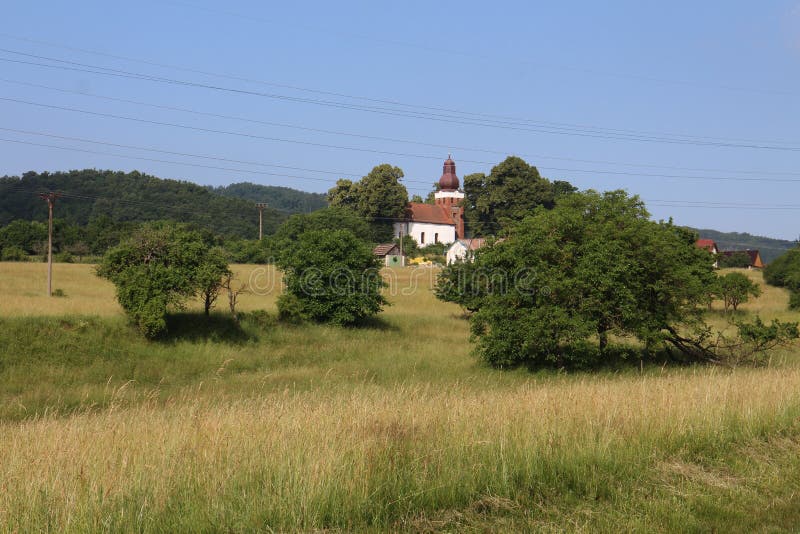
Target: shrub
pixel 331 276
pixel 158 266
pixel 63 257
pixel 14 253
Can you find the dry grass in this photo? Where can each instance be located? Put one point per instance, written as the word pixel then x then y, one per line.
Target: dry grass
pixel 389 428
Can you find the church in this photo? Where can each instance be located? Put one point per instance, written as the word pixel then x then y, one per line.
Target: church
pixel 441 222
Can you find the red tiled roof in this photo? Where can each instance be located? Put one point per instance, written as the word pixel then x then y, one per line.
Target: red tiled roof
pixel 386 248
pixel 708 244
pixel 429 213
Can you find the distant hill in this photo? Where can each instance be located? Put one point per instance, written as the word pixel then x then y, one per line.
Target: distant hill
pixel 130 197
pixel 280 198
pixel 770 248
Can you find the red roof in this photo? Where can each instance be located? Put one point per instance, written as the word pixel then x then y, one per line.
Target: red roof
pixel 429 213
pixel 707 244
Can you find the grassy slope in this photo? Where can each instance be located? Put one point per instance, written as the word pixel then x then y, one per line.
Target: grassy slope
pixel 392 426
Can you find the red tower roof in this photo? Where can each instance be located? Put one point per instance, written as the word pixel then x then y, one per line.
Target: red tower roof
pixel 449 180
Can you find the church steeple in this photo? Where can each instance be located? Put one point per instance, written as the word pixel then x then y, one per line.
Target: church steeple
pixel 449 180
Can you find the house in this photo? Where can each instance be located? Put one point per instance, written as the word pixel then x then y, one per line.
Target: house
pixel 708 244
pixel 390 254
pixel 440 222
pixel 464 248
pixel 711 246
pixel 754 255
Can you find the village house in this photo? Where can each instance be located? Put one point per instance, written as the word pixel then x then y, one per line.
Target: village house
pixel 754 255
pixel 390 254
pixel 464 249
pixel 440 222
pixel 711 246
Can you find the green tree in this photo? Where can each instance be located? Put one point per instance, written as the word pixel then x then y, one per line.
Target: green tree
pixel 331 276
pixel 379 197
pixel 211 275
pixel 26 235
pixel 344 195
pixel 157 267
pixel 507 195
pixel 594 265
pixel 735 289
pixel 784 271
pixel 332 218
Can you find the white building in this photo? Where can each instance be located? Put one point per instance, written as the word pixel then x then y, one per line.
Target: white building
pixel 464 249
pixel 442 222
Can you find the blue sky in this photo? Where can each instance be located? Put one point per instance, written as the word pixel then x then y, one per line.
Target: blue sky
pixel 707 74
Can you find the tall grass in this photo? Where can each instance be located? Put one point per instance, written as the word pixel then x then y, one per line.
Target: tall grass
pixel 389 427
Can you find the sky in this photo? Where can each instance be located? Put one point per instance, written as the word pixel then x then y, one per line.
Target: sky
pixel 691 105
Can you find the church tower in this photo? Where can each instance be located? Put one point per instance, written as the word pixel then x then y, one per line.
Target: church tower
pixel 449 197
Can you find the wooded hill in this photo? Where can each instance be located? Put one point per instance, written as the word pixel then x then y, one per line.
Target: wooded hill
pixel 135 197
pixel 280 198
pixel 770 248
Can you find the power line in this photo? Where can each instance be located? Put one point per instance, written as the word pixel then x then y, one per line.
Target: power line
pixel 382 152
pixel 555 130
pixel 449 51
pixel 513 120
pixel 391 139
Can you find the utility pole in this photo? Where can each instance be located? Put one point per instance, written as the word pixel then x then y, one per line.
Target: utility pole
pixel 51 200
pixel 260 206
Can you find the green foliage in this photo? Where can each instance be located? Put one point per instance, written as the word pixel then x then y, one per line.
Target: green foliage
pixel 433 249
pixel 63 257
pixel 160 265
pixel 738 260
pixel 209 276
pixel 248 251
pixel 128 197
pixel 784 271
pixel 507 195
pixel 581 271
pixel 462 283
pixel 287 236
pixel 291 309
pixel 25 235
pixel 735 289
pixel 334 276
pixel 410 247
pixel 279 198
pixel 13 253
pixel 379 197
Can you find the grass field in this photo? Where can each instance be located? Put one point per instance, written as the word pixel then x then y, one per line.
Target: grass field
pixel 394 426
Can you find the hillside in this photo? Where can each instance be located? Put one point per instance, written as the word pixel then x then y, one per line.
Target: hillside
pixel 770 248
pixel 280 198
pixel 129 197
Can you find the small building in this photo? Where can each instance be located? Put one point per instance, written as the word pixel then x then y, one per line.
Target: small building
pixel 754 255
pixel 464 249
pixel 440 222
pixel 711 246
pixel 708 244
pixel 390 254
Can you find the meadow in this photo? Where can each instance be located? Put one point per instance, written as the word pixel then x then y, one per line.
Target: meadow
pixel 391 426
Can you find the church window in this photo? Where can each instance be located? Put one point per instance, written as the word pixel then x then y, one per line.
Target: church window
pixel 422 238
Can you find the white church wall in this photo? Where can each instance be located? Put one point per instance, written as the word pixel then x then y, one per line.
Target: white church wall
pixel 426 233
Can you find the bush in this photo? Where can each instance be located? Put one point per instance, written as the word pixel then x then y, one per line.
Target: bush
pixel 784 271
pixel 158 266
pixel 331 276
pixel 63 257
pixel 290 309
pixel 14 253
